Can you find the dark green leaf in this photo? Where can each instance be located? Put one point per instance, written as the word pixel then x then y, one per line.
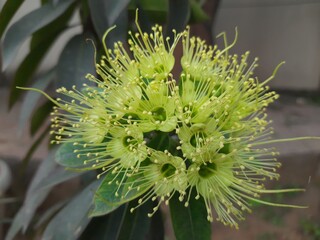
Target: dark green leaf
pixel 156 231
pixel 155 10
pixel 190 222
pixel 105 199
pixel 66 156
pixel 124 225
pixel 96 228
pixel 41 41
pixel 70 222
pixel 115 222
pixel 33 97
pixel 40 115
pixel 197 13
pixel 102 207
pixel 33 198
pixel 27 25
pixel 105 14
pixel 75 62
pixel 150 5
pixel 179 13
pixel 7 12
pixel 136 225
pixel 110 192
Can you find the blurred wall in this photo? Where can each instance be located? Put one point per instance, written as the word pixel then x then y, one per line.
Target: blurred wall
pixel 275 31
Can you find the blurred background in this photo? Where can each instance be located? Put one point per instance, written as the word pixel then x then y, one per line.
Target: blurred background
pixel 273 30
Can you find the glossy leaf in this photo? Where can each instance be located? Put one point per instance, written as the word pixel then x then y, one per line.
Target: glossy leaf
pixel 41 41
pixel 75 62
pixel 27 25
pixel 190 222
pixel 105 14
pixel 70 222
pixel 66 156
pixel 105 199
pixel 178 16
pixel 111 193
pixel 7 12
pixel 102 207
pixel 32 97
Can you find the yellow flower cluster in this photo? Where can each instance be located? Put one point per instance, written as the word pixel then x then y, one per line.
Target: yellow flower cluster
pixel 200 130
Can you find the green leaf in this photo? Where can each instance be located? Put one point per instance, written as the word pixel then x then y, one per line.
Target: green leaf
pixel 53 29
pixel 115 222
pixel 33 97
pixel 197 13
pixel 150 5
pixel 33 198
pixel 75 62
pixel 110 192
pixel 66 156
pixel 122 224
pixel 41 41
pixel 135 226
pixel 190 222
pixel 70 222
pixel 40 116
pixel 7 12
pixel 178 16
pixel 37 192
pixel 102 207
pixel 96 229
pixel 27 25
pixel 105 14
pixel 105 199
pixel 156 231
pixel 156 10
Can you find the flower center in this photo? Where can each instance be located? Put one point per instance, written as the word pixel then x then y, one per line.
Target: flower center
pixel 207 169
pixel 129 141
pixel 197 138
pixel 167 170
pixel 225 149
pixel 159 114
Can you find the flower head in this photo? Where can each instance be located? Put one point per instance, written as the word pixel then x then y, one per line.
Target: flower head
pixel 200 130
